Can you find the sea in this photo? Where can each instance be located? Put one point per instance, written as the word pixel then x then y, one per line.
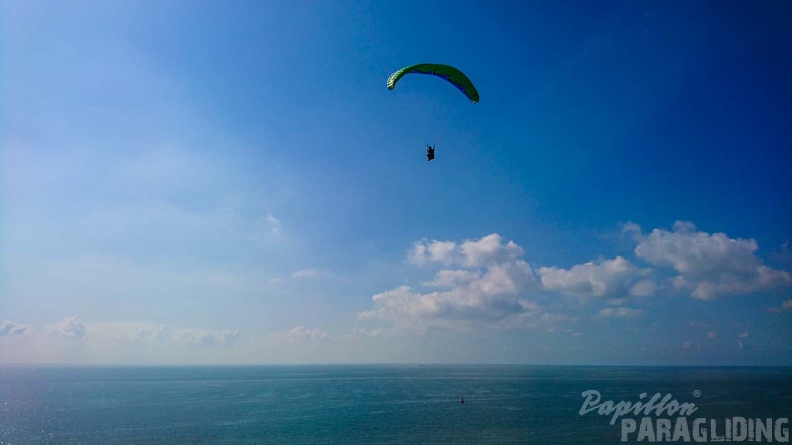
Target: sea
pixel 390 404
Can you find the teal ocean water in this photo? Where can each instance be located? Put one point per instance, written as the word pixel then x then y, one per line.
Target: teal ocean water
pixel 361 404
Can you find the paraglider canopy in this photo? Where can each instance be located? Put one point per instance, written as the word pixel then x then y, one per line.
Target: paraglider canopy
pixel 449 73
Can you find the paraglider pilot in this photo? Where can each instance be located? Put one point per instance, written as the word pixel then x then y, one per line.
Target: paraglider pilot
pixel 429 152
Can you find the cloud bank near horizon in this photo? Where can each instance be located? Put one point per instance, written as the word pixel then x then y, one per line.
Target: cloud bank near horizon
pixel 474 286
pixel 486 281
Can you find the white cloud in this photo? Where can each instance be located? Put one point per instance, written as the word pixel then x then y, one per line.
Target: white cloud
pixel 643 288
pixel 495 296
pixel 432 251
pixel 709 265
pixel 453 278
pixel 491 289
pixel 504 279
pixel 745 335
pixel 619 312
pixel 301 334
pixel 69 327
pixel 483 282
pixel 487 250
pixel 9 328
pixel 402 302
pixel 607 278
pixel 631 230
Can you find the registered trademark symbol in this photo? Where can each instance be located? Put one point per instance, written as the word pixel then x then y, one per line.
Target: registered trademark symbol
pixel 697 393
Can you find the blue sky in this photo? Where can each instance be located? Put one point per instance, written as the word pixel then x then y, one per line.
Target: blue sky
pixel 232 182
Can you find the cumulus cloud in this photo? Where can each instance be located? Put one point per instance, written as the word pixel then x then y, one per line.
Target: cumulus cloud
pixel 495 295
pixel 485 282
pixel 643 288
pixel 619 312
pixel 453 278
pixel 301 334
pixel 9 328
pixel 607 278
pixel 490 286
pixel 400 302
pixel 432 251
pixel 709 265
pixel 489 249
pixel 70 327
pixel 631 230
